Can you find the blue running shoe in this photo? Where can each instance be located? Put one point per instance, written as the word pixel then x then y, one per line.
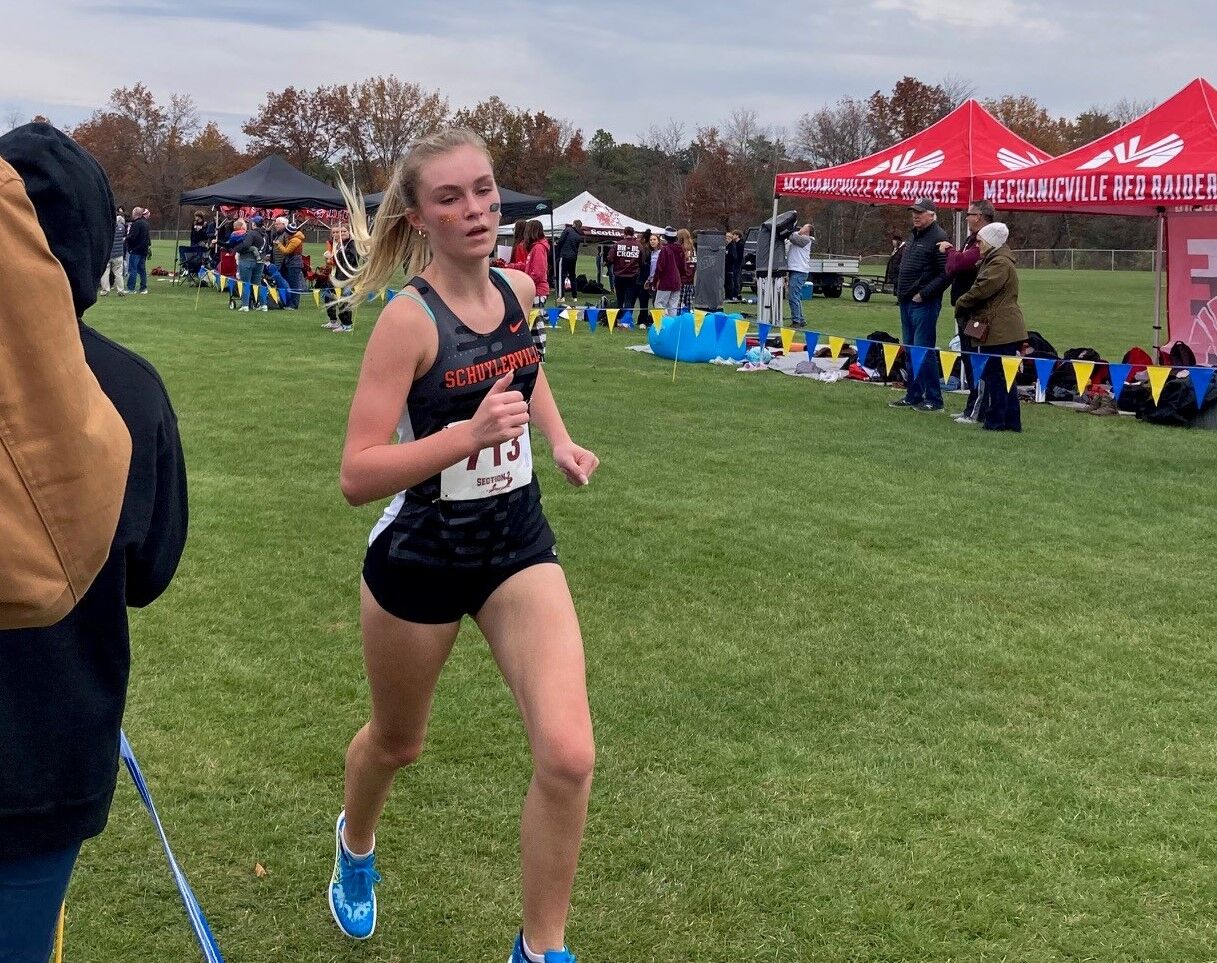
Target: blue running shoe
pixel 351 893
pixel 552 956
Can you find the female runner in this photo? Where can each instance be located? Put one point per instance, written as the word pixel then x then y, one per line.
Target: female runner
pixel 452 368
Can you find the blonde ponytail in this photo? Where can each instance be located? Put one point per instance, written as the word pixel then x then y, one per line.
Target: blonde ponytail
pixel 393 242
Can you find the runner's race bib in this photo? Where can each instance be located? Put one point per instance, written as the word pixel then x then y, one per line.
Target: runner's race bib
pixel 492 471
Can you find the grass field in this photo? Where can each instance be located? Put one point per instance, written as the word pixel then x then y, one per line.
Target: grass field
pixel 867 685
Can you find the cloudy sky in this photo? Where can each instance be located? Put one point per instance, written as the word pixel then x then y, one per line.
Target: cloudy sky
pixel 617 64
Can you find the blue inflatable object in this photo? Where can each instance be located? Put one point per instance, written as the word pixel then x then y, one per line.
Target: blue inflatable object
pixel 717 338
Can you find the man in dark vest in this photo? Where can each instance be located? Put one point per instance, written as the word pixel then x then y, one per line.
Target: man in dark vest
pixel 919 288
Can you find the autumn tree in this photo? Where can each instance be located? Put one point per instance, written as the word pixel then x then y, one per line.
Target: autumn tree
pixel 384 117
pixel 1025 116
pixel 911 108
pixel 718 192
pixel 305 126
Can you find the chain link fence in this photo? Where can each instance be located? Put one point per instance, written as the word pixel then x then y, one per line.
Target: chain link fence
pixel 1083 259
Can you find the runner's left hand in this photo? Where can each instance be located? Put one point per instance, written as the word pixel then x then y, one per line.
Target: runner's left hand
pixel 576 463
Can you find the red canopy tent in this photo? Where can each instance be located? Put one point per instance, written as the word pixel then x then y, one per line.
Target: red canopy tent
pixel 1162 164
pixel 941 163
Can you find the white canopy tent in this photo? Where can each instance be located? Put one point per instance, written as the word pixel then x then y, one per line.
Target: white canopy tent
pixel 600 222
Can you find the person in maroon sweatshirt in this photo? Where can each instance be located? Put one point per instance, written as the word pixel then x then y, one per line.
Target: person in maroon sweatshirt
pixel 669 272
pixel 625 256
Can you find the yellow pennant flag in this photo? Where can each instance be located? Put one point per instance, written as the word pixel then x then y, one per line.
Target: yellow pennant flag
pixel 572 319
pixel 741 330
pixel 657 315
pixel 890 353
pixel 699 318
pixel 946 359
pixel 532 317
pixel 317 297
pixel 274 294
pixel 384 293
pixel 1157 380
pixel 1010 366
pixel 1082 370
pixel 835 345
pixel 257 294
pixel 787 335
pixel 611 315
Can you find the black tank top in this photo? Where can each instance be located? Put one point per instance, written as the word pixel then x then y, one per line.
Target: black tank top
pixel 495 531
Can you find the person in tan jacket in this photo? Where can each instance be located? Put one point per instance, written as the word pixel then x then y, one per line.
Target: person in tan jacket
pixel 64 450
pixel 992 301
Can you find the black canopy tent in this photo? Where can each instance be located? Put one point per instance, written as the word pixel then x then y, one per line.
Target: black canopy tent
pixel 272 182
pixel 515 204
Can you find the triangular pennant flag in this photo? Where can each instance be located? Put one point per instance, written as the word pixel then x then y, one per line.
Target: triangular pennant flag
pixel 255 293
pixel 317 297
pixel 391 294
pixel 835 345
pixel 946 361
pixel 572 319
pixel 741 330
pixel 274 294
pixel 657 317
pixel 611 316
pixel 762 333
pixel 627 318
pixel 1043 371
pixel 553 314
pixel 1082 370
pixel 699 318
pixel 1200 378
pixel 1119 377
pixel 812 338
pixel 977 363
pixel 787 339
pixel 890 353
pixel 1009 366
pixel 384 294
pixel 917 355
pixel 592 315
pixel 720 325
pixel 1157 380
pixel 862 346
pixel 240 289
pixel 532 316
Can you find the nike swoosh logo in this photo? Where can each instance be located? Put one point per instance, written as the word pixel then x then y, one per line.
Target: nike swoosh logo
pixel 515 327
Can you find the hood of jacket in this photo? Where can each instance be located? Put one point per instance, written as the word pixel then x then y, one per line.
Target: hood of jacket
pixel 72 198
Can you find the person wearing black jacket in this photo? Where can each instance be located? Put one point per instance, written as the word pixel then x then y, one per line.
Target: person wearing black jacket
pixel 919 287
pixel 63 688
pixel 139 249
pixel 568 255
pixel 734 265
pixel 343 259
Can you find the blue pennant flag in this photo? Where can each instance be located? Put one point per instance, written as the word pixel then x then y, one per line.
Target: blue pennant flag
pixel 592 315
pixel 194 912
pixel 812 338
pixel 1201 378
pixel 1043 371
pixel 720 324
pixel 863 348
pixel 372 295
pixel 553 314
pixel 977 363
pixel 917 355
pixel 762 332
pixel 390 294
pixel 1119 376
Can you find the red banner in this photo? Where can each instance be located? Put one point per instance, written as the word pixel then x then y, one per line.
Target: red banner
pixel 1191 263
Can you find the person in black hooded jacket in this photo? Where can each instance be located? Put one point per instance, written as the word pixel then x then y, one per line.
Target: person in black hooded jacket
pixel 63 688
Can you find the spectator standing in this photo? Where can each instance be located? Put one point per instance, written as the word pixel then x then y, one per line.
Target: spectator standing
pixel 139 249
pixel 116 264
pixel 624 259
pixel 519 247
pixel 688 268
pixel 667 276
pixel 892 272
pixel 343 259
pixel 992 302
pixel 919 288
pixel 536 266
pixel 63 688
pixel 798 267
pixel 289 248
pixel 734 265
pixel 962 266
pixel 247 242
pixel 648 246
pixel 568 256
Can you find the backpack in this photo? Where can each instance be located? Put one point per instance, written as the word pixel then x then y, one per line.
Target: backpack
pixel 1178 355
pixel 1063 385
pixel 1040 347
pixel 875 359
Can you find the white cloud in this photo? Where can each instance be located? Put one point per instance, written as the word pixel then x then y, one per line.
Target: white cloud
pixel 992 15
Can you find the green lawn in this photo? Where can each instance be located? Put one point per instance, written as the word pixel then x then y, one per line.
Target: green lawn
pixel 867 685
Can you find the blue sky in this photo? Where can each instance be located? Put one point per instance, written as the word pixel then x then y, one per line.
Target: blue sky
pixel 621 65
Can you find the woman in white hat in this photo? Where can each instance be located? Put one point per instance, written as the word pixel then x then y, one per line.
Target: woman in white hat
pixel 996 322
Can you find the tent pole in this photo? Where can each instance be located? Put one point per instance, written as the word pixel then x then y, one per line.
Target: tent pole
pixel 768 298
pixel 958 229
pixel 1158 284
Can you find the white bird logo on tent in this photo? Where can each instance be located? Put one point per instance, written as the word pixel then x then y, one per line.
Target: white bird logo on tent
pixel 905 166
pixel 1155 155
pixel 1018 162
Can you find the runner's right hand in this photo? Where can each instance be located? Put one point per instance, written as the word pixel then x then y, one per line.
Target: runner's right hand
pixel 501 416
